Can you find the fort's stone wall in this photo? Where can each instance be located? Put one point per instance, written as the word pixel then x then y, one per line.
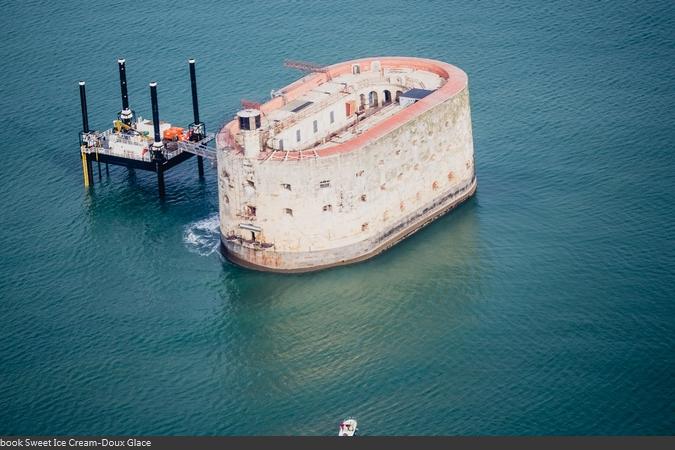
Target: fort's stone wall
pixel 318 212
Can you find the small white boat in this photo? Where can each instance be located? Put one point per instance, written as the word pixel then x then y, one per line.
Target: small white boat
pixel 347 427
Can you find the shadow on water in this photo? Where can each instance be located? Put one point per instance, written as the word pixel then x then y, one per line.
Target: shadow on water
pixel 133 193
pixel 321 341
pixel 412 262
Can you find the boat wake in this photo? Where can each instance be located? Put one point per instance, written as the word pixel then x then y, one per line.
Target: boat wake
pixel 203 236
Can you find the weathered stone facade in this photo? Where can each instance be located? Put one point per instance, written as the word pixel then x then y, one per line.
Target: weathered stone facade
pixel 312 213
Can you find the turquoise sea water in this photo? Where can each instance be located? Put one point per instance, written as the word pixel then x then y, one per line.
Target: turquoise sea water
pixel 545 305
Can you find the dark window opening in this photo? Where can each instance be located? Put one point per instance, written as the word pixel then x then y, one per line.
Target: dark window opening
pixel 372 99
pixel 387 97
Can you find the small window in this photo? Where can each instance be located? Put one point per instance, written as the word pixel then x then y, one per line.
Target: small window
pixel 327 208
pixel 356 69
pixel 288 211
pixel 250 210
pixel 332 116
pixel 297 135
pixel 363 198
pixel 251 183
pixel 364 227
pixel 286 186
pixel 324 184
pixel 281 144
pixel 316 126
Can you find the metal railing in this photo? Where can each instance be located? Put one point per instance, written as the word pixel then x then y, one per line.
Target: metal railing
pixel 199 148
pixel 100 142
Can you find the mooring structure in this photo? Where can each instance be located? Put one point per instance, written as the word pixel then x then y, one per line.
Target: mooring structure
pixel 138 143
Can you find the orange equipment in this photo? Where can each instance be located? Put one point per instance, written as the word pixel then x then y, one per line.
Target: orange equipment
pixel 175 134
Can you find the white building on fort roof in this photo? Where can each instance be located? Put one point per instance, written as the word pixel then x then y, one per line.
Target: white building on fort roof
pixel 344 163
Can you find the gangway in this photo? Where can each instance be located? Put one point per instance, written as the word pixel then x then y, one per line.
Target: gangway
pixel 199 148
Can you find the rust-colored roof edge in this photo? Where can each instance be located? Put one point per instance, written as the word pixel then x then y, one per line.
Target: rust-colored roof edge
pixel 456 82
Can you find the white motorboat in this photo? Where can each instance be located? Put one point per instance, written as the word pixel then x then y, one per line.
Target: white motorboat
pixel 347 427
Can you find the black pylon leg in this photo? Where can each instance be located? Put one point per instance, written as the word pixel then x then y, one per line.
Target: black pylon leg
pixel 160 179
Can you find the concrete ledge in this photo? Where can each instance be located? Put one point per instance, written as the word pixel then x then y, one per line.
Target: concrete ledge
pixel 275 261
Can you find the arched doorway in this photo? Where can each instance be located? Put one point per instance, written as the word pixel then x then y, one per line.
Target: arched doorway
pixel 356 69
pixel 372 99
pixel 362 106
pixel 398 95
pixel 387 97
